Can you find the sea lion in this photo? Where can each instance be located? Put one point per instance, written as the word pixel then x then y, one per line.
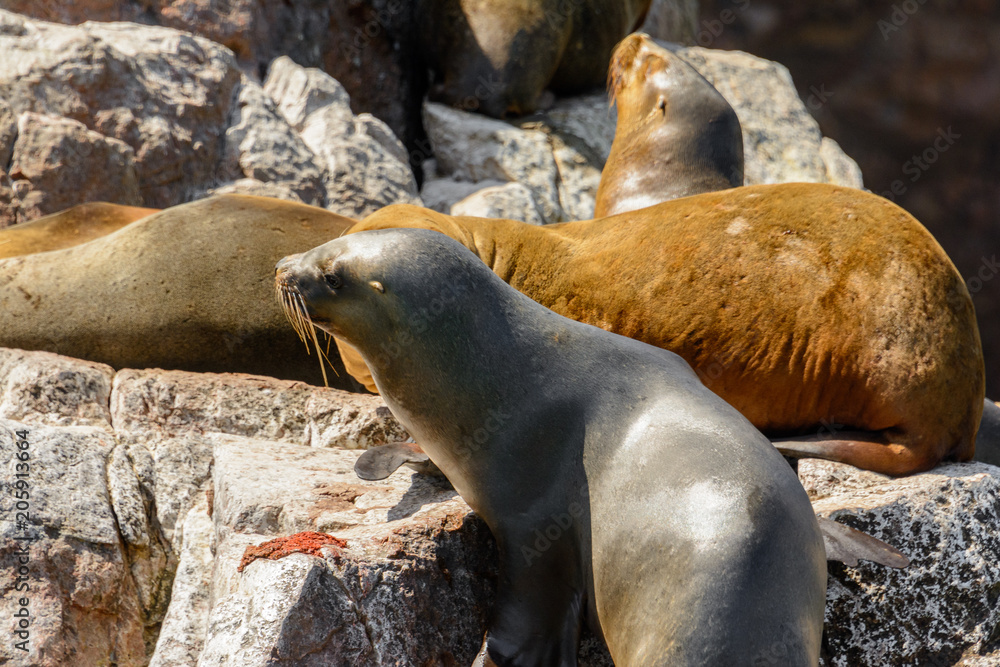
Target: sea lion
pixel 820 312
pixel 497 56
pixel 676 134
pixel 187 288
pixel 670 523
pixel 68 228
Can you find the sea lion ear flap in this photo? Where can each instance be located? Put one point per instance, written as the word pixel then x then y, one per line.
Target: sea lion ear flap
pixel 377 286
pixel 848 546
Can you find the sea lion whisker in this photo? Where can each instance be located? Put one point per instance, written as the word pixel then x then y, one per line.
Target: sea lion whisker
pixel 315 339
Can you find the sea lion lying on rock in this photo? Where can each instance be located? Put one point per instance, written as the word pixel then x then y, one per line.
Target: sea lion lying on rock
pixel 675 527
pixel 824 314
pixel 676 134
pixel 187 288
pixel 68 228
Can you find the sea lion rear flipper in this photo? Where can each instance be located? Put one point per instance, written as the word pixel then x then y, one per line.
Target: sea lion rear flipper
pixel 862 449
pixel 988 437
pixel 847 545
pixel 380 462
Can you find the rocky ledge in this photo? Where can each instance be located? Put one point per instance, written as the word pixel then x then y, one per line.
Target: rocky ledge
pixel 146 486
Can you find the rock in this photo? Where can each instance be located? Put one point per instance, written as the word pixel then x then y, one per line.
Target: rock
pixel 365 166
pixel 441 194
pixel 470 147
pixel 945 521
pixel 261 145
pixel 512 201
pixel 182 636
pixel 118 501
pixel 164 93
pixel 781 140
pixel 155 117
pixel 83 605
pixel 58 163
pixel 47 389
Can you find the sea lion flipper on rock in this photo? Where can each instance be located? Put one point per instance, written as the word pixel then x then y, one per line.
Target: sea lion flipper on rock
pixel 848 545
pixel 380 462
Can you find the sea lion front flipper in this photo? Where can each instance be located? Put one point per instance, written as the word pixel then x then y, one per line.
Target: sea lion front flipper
pixel 380 462
pixel 848 545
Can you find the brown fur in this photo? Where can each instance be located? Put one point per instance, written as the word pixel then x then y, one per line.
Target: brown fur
pixel 676 135
pixel 498 56
pixel 187 288
pixel 809 307
pixel 68 228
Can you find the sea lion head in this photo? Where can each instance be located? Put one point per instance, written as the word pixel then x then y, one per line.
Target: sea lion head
pixel 656 90
pixel 369 287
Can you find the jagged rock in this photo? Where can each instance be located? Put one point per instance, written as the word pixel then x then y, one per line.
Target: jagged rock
pixel 58 163
pixel 155 117
pixel 164 93
pixel 365 166
pixel 182 636
pixel 49 389
pixel 261 145
pixel 83 603
pixel 512 201
pixel 941 608
pixel 121 496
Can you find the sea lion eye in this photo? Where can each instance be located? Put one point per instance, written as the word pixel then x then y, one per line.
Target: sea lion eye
pixel 333 280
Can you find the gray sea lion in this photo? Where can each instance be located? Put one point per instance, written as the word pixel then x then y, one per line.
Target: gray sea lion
pixel 824 314
pixel 498 56
pixel 676 134
pixel 68 228
pixel 671 524
pixel 187 288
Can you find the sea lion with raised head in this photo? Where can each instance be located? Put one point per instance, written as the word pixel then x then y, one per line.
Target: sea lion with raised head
pixel 679 532
pixel 187 288
pixel 676 134
pixel 497 56
pixel 824 314
pixel 68 228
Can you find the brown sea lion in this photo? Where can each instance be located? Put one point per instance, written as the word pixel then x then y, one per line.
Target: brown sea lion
pixel 669 522
pixel 823 313
pixel 188 288
pixel 68 228
pixel 676 134
pixel 498 56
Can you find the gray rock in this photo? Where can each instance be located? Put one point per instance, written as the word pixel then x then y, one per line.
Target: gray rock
pixel 470 147
pixel 48 389
pixel 440 194
pixel 182 635
pixel 164 93
pixel 365 166
pixel 260 144
pixel 58 162
pixel 672 20
pixel 512 201
pixel 942 606
pixel 82 600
